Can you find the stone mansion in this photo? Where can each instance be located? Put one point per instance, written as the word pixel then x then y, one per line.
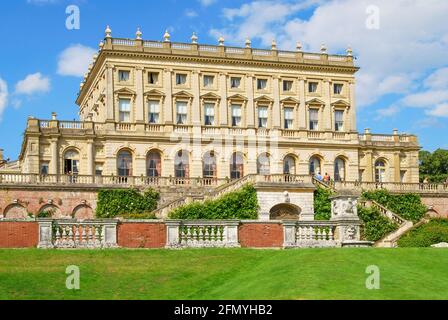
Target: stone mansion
pixel 185 110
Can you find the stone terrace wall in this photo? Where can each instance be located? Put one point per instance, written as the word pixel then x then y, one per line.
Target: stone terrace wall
pixel 18 234
pixel 261 234
pixel 438 205
pixel 142 235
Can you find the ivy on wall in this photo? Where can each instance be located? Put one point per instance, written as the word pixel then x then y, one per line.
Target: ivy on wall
pixel 408 206
pixel 129 203
pixel 375 226
pixel 241 204
pixel 322 203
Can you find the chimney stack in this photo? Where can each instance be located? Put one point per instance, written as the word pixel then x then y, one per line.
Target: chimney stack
pixel 1 154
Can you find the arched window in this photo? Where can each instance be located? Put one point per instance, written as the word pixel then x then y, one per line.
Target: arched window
pixel 237 166
pixel 289 165
pixel 181 167
pixel 153 164
pixel 209 165
pixel 315 166
pixel 264 164
pixel 71 162
pixel 380 171
pixel 124 163
pixel 339 169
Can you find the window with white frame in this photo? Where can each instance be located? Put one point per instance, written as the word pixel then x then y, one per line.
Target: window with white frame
pixel 153 77
pixel 98 169
pixel 314 119
pixel 123 75
pixel 209 114
pixel 262 84
pixel 208 81
pixel 312 87
pixel 339 120
pixel 337 88
pixel 153 111
pixel 236 115
pixel 289 118
pixel 262 117
pixel 124 106
pixel 235 82
pixel 181 79
pixel 181 107
pixel 287 85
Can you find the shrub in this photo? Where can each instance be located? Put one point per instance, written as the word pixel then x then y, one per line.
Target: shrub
pixel 433 232
pixel 375 226
pixel 113 203
pixel 322 203
pixel 241 204
pixel 409 206
pixel 138 216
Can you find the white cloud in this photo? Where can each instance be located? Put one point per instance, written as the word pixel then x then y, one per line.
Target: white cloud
pixel 75 60
pixel 410 40
pixel 437 80
pixel 33 83
pixel 207 3
pixel 190 13
pixel 41 2
pixel 3 96
pixel 387 112
pixel 440 110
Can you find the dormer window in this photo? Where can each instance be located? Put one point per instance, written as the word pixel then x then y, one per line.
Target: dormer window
pixel 123 75
pixel 153 77
pixel 312 87
pixel 262 84
pixel 181 79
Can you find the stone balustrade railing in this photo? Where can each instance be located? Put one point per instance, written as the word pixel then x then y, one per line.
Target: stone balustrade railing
pixel 202 234
pixel 392 186
pixel 383 211
pixel 67 234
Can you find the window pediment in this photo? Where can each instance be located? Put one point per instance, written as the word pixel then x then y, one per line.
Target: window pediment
pixel 210 96
pixel 341 103
pixel 315 101
pixel 290 100
pixel 183 94
pixel 125 91
pixel 154 93
pixel 264 98
pixel 237 97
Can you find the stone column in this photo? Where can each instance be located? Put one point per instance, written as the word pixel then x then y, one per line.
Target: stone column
pixel 223 109
pixel 352 106
pixel 54 156
pixel 397 169
pixel 250 108
pixel 90 158
pixel 139 101
pixel 327 109
pixel 289 234
pixel 196 103
pixel 110 105
pixel 369 166
pixel 276 112
pixel 168 103
pixel 172 233
pixel 45 234
pixel 302 105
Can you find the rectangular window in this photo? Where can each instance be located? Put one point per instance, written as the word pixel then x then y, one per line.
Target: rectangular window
pixel 181 112
pixel 209 114
pixel 44 168
pixel 99 169
pixel 208 81
pixel 262 117
pixel 236 115
pixel 153 111
pixel 181 79
pixel 262 84
pixel 125 110
pixel 289 118
pixel 235 82
pixel 287 85
pixel 153 77
pixel 312 87
pixel 337 88
pixel 123 75
pixel 339 120
pixel 314 119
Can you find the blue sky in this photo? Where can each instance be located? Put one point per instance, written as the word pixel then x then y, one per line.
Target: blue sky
pixel 401 47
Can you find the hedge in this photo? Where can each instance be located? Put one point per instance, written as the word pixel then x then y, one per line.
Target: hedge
pixel 409 206
pixel 375 226
pixel 433 232
pixel 129 202
pixel 241 204
pixel 322 203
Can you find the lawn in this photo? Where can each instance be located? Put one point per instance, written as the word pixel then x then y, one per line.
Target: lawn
pixel 225 274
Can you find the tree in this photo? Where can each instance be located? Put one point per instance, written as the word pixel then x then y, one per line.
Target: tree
pixel 434 165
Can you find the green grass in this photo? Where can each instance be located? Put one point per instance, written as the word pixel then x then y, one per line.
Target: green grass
pixel 225 274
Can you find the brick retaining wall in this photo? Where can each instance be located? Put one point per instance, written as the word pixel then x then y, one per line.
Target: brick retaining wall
pixel 142 235
pixel 261 234
pixel 17 234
